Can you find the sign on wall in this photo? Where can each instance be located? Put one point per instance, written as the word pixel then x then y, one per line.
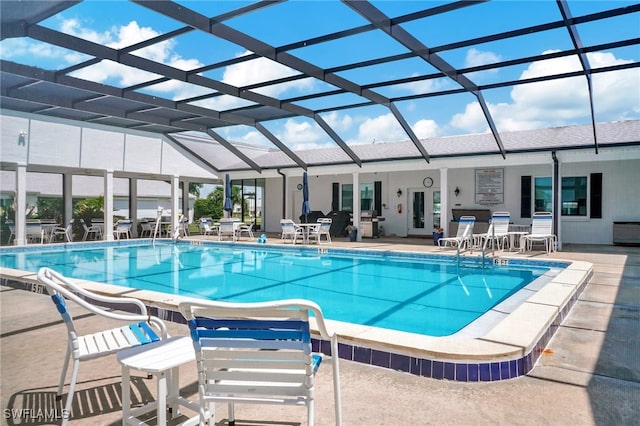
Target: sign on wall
pixel 489 186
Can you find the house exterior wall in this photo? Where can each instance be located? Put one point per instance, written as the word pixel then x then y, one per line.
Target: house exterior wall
pixel 620 193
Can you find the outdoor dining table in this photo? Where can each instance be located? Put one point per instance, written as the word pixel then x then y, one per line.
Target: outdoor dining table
pixel 306 228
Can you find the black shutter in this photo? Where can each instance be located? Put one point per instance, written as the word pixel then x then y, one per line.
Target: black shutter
pixel 596 196
pixel 525 196
pixel 377 197
pixel 335 197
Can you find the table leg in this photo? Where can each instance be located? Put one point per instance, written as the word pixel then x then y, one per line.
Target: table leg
pixel 162 398
pixel 173 391
pixel 126 395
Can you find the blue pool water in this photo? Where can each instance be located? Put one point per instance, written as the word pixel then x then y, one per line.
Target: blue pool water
pixel 422 294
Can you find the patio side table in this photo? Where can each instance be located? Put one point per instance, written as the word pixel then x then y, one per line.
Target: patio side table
pixel 161 359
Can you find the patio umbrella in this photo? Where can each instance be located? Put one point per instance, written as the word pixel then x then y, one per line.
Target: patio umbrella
pixel 306 207
pixel 228 206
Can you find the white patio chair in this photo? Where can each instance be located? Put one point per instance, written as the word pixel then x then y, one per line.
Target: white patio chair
pixel 94 230
pixel 464 236
pixel 206 227
pixel 122 229
pixel 96 344
pixel 227 229
pixel 65 233
pixel 258 353
pixel 12 230
pixel 541 231
pixel 146 229
pixel 323 227
pixel 34 231
pixel 290 230
pixel 247 229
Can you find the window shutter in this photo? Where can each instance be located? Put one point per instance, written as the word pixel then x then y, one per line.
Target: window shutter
pixel 377 197
pixel 596 196
pixel 525 196
pixel 335 197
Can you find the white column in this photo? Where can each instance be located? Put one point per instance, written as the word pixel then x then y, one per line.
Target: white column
pixel 556 186
pixel 185 199
pixel 108 205
pixel 133 205
pixel 175 203
pixel 21 205
pixel 67 197
pixel 356 204
pixel 444 201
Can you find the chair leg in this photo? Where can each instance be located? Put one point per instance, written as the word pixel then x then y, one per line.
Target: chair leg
pixel 232 415
pixel 310 412
pixel 64 373
pixel 67 407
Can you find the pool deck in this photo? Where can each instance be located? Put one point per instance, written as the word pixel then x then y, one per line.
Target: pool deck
pixel 588 374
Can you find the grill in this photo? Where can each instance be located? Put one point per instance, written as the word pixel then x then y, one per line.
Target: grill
pixel 369 224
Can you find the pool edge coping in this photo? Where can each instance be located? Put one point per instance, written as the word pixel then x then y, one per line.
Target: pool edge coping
pixel 509 349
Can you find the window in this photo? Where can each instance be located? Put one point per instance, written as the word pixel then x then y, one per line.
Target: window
pixel 543 195
pixel 347 197
pixel 573 198
pixel 367 201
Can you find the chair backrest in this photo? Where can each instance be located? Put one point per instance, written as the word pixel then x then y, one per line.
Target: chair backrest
pixel 324 225
pixel 62 289
pixel 256 352
pixel 500 222
pixel 123 225
pixel 226 227
pixel 146 226
pixel 465 227
pixel 288 226
pixel 542 223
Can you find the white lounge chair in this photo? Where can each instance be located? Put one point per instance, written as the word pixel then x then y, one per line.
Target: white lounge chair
pixel 498 231
pixel 464 236
pixel 541 231
pixel 82 347
pixel 258 353
pixel 323 227
pixel 290 230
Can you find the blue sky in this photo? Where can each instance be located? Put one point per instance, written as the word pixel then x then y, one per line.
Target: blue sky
pixel 553 103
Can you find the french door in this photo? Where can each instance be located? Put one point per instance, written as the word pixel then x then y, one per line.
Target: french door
pixel 423 212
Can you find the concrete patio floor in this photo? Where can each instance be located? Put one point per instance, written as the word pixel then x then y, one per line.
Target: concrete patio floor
pixel 589 374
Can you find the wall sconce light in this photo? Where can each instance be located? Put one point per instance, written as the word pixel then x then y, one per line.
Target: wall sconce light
pixel 457 191
pixel 399 193
pixel 22 138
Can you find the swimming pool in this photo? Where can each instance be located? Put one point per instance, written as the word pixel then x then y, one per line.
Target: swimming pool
pixel 423 294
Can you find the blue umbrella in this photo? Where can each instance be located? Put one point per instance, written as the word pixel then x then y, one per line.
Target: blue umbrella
pixel 306 207
pixel 228 206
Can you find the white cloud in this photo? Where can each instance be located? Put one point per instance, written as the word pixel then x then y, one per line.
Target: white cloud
pixel 477 57
pixel 338 122
pixel 560 102
pixel 425 129
pixel 383 128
